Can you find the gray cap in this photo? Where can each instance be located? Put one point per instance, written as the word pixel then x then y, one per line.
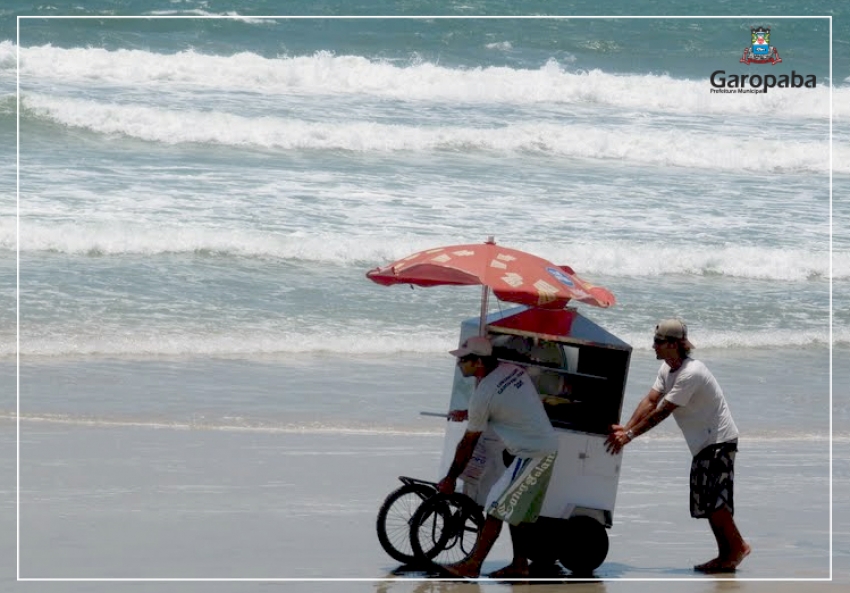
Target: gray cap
pixel 673 329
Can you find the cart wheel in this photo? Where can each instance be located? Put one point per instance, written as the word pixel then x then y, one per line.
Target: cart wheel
pixel 394 516
pixel 444 529
pixel 544 537
pixel 586 545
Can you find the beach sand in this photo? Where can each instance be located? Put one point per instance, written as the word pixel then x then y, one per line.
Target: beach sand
pixel 122 499
pixel 135 502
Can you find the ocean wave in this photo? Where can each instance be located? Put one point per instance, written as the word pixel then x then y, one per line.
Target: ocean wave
pixel 201 423
pixel 754 436
pixel 8 59
pixel 633 143
pixel 629 259
pixel 327 73
pixel 312 340
pixel 230 14
pixel 611 258
pixel 335 341
pixel 8 105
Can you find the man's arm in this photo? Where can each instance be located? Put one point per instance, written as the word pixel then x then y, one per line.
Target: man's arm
pixel 653 419
pixel 646 416
pixel 643 409
pixel 646 406
pixel 463 453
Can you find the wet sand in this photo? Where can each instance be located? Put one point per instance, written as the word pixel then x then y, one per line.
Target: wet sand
pixel 128 502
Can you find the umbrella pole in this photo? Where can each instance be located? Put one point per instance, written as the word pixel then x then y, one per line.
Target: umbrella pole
pixel 482 324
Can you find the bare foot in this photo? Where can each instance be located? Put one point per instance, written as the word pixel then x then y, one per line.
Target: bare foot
pixel 464 570
pixel 510 571
pixel 736 559
pixel 709 566
pixel 724 564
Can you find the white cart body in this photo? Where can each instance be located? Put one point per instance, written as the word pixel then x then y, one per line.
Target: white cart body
pixel 580 370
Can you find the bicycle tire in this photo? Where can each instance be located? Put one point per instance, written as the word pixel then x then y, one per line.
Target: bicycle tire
pixel 444 529
pixel 393 523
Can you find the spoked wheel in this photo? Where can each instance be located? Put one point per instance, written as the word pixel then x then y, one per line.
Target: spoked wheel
pixel 444 529
pixel 394 518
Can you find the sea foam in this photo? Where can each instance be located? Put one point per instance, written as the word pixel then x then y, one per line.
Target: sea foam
pixel 633 143
pixel 360 342
pixel 411 80
pixel 612 258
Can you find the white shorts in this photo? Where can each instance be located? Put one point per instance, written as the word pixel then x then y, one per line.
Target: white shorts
pixel 517 496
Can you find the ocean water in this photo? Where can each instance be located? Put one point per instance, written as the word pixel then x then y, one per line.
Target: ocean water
pixel 197 185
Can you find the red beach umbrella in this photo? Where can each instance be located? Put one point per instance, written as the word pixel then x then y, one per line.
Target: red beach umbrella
pixel 513 276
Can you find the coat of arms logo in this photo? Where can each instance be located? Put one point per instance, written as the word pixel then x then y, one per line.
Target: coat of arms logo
pixel 760 51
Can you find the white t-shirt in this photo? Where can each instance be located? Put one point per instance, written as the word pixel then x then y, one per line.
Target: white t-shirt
pixel 702 414
pixel 506 401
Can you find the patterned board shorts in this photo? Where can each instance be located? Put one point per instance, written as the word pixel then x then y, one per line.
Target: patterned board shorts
pixel 712 478
pixel 517 496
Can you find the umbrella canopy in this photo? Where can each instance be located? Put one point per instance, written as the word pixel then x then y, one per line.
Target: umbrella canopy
pixel 513 276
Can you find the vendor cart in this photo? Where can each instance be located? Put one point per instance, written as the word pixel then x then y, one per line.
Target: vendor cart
pixel 580 371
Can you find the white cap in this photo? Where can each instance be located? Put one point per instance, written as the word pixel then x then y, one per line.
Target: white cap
pixel 476 345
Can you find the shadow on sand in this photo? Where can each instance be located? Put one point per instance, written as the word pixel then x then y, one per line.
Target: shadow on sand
pixel 552 573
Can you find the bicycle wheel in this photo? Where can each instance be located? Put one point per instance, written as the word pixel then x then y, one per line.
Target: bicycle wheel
pixel 443 530
pixel 394 516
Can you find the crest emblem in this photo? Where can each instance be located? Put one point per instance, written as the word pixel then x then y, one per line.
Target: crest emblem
pixel 760 51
